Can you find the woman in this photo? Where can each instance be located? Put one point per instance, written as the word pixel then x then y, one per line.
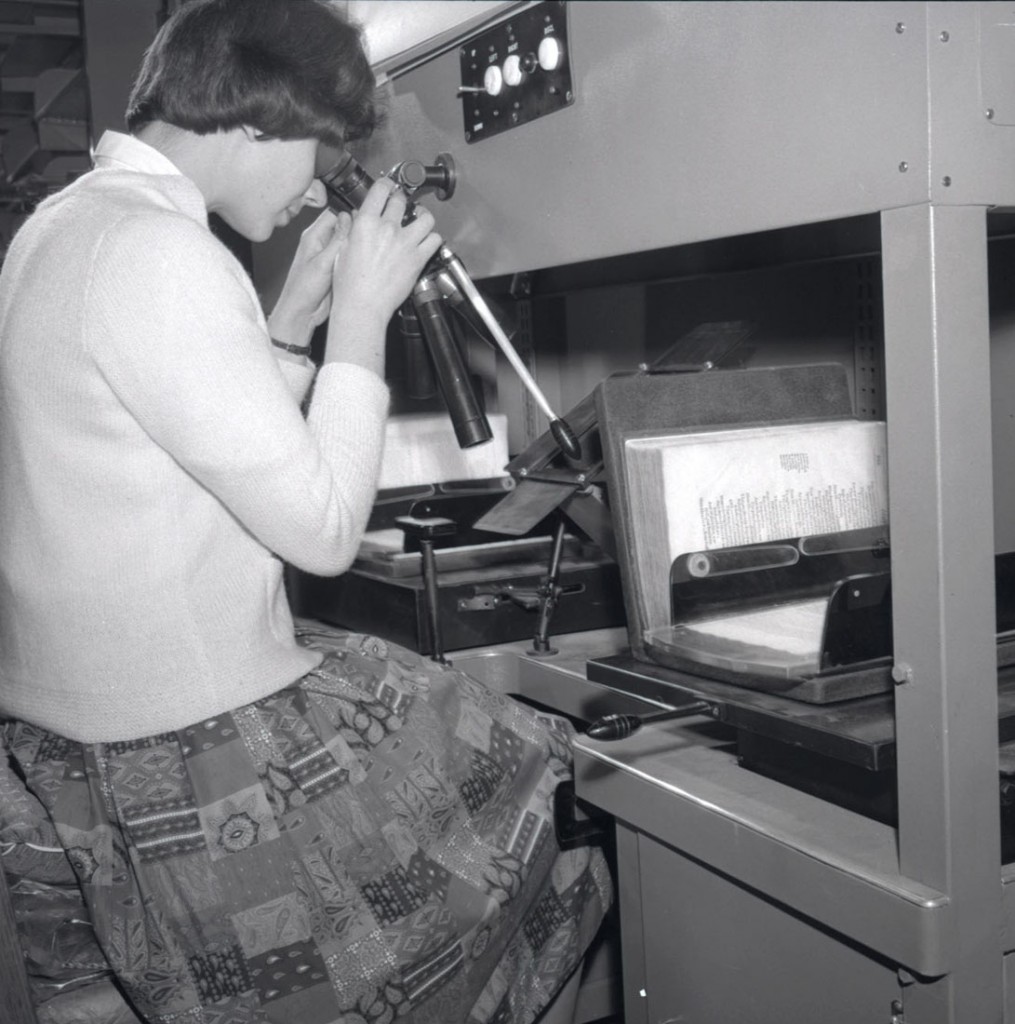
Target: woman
pixel 265 827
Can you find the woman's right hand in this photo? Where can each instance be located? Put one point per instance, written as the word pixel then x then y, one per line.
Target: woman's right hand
pixel 375 271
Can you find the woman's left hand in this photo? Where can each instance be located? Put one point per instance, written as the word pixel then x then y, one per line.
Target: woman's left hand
pixel 305 300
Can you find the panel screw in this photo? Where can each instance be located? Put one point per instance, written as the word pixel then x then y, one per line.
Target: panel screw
pixel 902 673
pixel 944 37
pixel 989 113
pixel 903 167
pixel 946 180
pixel 900 27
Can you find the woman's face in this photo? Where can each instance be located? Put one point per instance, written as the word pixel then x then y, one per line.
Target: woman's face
pixel 271 181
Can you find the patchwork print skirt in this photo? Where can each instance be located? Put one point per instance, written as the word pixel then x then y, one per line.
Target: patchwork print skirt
pixel 373 842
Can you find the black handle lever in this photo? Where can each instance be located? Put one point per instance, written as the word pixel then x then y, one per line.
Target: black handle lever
pixel 619 727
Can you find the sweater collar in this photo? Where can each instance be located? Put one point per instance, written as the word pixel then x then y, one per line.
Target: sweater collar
pixel 126 152
pixel 117 151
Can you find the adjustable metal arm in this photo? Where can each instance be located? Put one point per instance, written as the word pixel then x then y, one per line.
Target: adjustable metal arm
pixel 347 184
pixel 565 437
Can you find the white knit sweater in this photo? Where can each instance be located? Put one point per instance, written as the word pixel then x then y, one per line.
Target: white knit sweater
pixel 155 468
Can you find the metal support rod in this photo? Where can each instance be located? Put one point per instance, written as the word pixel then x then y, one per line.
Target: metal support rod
pixel 425 529
pixel 562 433
pixel 430 594
pixel 550 591
pixel 472 293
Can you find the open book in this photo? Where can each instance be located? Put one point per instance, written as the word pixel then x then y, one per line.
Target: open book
pixel 692 493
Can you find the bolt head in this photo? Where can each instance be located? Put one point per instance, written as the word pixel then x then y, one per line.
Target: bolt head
pixel 902 673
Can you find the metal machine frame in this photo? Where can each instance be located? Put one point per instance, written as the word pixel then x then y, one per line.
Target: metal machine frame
pixel 698 121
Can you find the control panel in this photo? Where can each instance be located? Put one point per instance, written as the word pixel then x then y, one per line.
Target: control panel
pixel 516 71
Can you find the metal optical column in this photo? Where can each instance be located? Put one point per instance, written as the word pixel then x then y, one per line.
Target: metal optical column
pixel 937 370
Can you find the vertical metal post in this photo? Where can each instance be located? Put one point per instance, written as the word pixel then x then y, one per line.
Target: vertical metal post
pixel 432 596
pixel 630 895
pixel 549 592
pixel 17 994
pixel 937 370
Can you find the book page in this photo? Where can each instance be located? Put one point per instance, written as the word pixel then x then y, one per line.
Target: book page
pixel 420 448
pixel 783 640
pixel 797 627
pixel 724 488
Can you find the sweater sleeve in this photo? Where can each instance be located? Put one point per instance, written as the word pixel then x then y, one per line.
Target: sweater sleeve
pixel 174 327
pixel 298 376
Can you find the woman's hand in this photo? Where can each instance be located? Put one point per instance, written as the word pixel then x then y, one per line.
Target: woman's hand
pixel 375 272
pixel 305 300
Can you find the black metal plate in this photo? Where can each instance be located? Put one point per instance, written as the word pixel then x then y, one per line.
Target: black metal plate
pixel 539 93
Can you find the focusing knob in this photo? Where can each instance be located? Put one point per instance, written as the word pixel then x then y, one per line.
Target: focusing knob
pixel 412 174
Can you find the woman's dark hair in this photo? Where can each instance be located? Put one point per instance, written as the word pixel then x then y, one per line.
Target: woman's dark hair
pixel 288 68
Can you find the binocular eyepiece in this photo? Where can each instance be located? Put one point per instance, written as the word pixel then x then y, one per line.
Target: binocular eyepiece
pixel 347 183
